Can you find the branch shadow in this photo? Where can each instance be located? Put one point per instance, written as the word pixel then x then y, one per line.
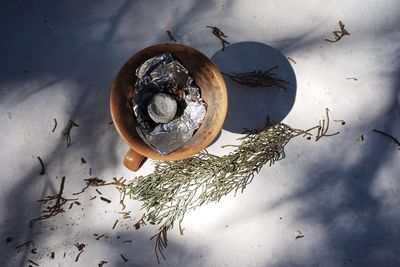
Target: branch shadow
pixel 249 107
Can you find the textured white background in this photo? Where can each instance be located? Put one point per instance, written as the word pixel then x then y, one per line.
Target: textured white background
pixel 58 60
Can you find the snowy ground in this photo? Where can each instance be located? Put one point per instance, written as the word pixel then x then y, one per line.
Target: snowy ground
pixel 58 60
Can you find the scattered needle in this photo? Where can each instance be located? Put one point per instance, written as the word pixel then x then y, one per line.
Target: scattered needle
pixel 105 199
pixel 100 236
pixel 389 137
pixel 123 257
pixel 115 224
pixel 34 263
pixel 55 125
pixel 291 59
pixel 43 168
pixel 171 37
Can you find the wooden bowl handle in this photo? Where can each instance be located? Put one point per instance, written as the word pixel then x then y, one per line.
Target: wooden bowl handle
pixel 134 160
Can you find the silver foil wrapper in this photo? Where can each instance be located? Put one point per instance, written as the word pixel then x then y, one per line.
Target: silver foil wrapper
pixel 164 74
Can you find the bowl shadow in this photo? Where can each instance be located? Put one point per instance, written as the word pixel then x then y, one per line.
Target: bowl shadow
pixel 249 107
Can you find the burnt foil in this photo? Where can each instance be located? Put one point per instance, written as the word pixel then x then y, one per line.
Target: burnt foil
pixel 164 74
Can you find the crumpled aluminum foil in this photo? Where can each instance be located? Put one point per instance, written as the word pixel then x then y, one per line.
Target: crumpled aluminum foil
pixel 164 74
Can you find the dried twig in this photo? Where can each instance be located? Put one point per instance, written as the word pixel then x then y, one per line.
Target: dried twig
pixel 389 137
pixel 161 242
pixel 42 167
pixel 352 78
pixel 140 223
pixel 55 125
pixel 67 133
pixel 220 35
pixel 258 78
pixel 92 182
pixel 339 34
pixel 171 37
pixel 52 210
pixel 324 127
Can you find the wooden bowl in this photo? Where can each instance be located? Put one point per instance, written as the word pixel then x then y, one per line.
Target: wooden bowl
pixel 206 76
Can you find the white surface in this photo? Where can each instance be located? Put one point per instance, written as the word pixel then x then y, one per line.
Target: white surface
pixel 343 195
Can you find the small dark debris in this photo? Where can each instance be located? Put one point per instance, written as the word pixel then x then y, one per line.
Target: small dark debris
pixel 65 253
pixel 34 250
pixel 309 138
pixel 83 161
pixel 127 241
pixel 299 236
pixel 110 123
pixel 98 191
pixel 90 171
pixel 360 138
pixel 80 246
pixel 92 198
pixel 9 239
pixel 25 71
pixel 102 263
pixel 52 255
